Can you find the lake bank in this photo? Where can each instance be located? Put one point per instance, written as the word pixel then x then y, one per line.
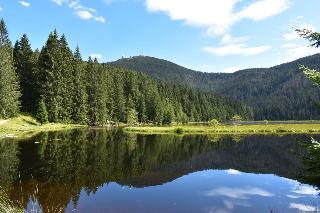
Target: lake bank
pixel 25 126
pixel 228 129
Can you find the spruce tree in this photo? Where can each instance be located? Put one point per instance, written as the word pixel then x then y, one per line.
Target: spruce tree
pixel 42 114
pixel 49 77
pixel 65 69
pixel 90 79
pixel 25 65
pixel 9 86
pixel 96 90
pixel 80 98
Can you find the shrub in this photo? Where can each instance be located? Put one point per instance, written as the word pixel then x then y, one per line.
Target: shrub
pixel 178 130
pixel 236 118
pixel 213 122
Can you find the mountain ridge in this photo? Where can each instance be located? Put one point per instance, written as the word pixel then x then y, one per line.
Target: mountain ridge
pixel 280 92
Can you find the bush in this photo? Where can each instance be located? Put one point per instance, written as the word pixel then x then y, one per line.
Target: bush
pixel 178 130
pixel 213 122
pixel 236 118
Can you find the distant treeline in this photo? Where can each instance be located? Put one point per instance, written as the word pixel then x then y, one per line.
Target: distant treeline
pixel 56 85
pixel 278 93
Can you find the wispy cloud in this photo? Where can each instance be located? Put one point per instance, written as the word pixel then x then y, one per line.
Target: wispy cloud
pixel 84 14
pixel 297 23
pixel 233 171
pixel 24 3
pixel 236 49
pixel 215 15
pixel 81 11
pixel 294 51
pixel 97 56
pixel 293 48
pixel 1 8
pixel 238 193
pixel 228 39
pixel 302 207
pixel 305 190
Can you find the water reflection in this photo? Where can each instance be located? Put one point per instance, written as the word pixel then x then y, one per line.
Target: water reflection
pixel 110 171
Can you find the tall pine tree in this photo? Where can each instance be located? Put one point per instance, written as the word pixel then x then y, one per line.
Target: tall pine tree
pixel 49 77
pixel 9 85
pixel 24 59
pixel 80 98
pixel 65 66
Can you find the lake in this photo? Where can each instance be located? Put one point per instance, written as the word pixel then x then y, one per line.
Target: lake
pixel 111 171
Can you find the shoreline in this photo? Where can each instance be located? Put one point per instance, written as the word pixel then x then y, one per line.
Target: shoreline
pixel 27 126
pixel 311 128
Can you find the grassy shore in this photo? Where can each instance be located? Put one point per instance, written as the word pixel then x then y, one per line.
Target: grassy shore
pixel 24 126
pixel 229 129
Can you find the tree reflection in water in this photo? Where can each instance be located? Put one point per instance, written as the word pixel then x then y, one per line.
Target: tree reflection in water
pixel 55 170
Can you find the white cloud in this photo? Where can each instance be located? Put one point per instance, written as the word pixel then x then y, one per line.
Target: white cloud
pixel 24 3
pixel 236 49
pixel 264 9
pixel 97 56
pixel 293 35
pixel 83 14
pixel 59 2
pixel 295 51
pixel 100 19
pixel 233 171
pixel 238 193
pixel 293 196
pixel 303 207
pixel 228 39
pixel 216 15
pixel 81 11
pixel 1 8
pixel 305 190
pixel 232 70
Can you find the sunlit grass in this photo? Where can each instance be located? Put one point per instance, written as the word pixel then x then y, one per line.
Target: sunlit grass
pixel 24 126
pixel 227 129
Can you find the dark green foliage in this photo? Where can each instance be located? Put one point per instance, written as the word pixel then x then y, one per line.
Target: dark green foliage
pixel 80 98
pixel 67 89
pixel 9 85
pixel 277 93
pixel 49 77
pixel 96 90
pixel 313 37
pixel 178 130
pixel 42 114
pixel 25 63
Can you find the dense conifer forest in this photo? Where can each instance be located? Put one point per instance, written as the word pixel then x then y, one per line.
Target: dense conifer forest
pixel 57 85
pixel 278 93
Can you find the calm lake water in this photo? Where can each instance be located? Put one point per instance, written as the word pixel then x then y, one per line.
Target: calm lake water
pixel 110 171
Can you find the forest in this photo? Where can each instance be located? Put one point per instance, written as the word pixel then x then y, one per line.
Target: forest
pixel 281 92
pixel 56 85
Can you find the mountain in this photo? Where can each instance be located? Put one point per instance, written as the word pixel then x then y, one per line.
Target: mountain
pixel 277 93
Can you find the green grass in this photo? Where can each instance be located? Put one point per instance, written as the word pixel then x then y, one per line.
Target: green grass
pixel 229 129
pixel 24 126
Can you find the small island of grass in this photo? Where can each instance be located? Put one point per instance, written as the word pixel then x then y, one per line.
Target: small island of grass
pixel 228 129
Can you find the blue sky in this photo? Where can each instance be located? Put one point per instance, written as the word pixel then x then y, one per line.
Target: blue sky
pixel 205 35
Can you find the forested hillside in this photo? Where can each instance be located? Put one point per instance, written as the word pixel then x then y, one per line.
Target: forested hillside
pixel 277 93
pixel 56 85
